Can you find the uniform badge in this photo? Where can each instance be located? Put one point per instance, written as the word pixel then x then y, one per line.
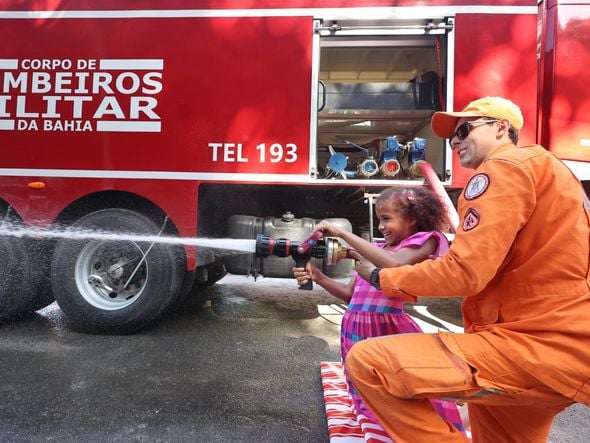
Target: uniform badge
pixel 476 186
pixel 470 220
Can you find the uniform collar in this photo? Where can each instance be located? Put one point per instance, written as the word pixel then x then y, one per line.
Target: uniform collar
pixel 501 149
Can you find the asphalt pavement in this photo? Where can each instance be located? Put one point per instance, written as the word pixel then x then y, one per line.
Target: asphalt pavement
pixel 243 368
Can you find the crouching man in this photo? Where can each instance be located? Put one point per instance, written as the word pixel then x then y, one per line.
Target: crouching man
pixel 521 260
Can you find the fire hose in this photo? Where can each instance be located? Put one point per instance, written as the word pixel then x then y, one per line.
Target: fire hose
pixel 430 176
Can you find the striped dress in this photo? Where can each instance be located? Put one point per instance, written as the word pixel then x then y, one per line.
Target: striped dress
pixel 370 313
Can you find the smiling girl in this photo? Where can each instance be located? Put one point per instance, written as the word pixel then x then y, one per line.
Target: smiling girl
pixel 410 220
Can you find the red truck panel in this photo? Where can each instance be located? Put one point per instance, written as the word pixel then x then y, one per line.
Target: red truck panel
pixel 241 83
pixel 500 61
pixel 239 4
pixel 564 121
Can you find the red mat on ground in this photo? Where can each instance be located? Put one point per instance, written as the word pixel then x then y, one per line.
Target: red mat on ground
pixel 343 424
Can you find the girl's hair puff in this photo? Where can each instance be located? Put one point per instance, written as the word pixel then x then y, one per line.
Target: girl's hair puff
pixel 417 203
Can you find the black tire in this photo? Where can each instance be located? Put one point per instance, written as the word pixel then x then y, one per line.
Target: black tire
pixel 15 268
pixel 88 276
pixel 39 253
pixel 205 276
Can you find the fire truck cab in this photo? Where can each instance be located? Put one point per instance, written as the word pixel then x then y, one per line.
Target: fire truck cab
pixel 233 120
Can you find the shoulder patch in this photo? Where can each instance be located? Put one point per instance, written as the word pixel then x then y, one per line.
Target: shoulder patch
pixel 477 186
pixel 470 220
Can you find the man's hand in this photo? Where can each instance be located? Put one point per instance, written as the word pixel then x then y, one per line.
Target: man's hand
pixel 363 266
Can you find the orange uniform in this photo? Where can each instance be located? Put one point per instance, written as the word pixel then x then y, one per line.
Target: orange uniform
pixel 521 260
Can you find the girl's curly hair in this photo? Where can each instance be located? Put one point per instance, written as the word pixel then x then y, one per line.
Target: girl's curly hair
pixel 417 203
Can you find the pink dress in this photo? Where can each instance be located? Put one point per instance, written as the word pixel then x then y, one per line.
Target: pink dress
pixel 370 313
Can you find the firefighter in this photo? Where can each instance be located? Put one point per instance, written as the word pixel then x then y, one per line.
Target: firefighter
pixel 520 259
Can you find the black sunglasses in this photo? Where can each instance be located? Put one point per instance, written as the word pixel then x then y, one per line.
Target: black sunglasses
pixel 463 131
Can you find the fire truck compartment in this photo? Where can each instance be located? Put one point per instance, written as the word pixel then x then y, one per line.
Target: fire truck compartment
pixel 376 96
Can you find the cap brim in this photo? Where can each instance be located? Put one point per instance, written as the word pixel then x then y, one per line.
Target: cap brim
pixel 444 123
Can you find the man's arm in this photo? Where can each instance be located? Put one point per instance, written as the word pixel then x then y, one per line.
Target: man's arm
pixel 495 204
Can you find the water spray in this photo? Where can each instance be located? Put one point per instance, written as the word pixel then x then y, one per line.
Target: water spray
pixel 329 249
pixel 230 244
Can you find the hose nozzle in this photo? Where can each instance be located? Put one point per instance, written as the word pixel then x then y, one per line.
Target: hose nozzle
pixel 309 242
pixel 329 249
pixel 335 251
pixel 281 247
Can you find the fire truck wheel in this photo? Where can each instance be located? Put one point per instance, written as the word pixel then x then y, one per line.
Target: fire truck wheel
pixel 39 256
pixel 115 285
pixel 15 292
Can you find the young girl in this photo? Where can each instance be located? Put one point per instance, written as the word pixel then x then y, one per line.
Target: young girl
pixel 409 220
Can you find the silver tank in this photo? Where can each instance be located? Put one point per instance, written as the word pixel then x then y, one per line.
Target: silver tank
pixel 287 226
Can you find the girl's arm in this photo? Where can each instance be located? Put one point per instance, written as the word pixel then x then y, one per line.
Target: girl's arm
pixel 377 255
pixel 410 255
pixel 340 290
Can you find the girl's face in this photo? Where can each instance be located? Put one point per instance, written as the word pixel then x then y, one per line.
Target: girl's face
pixel 392 225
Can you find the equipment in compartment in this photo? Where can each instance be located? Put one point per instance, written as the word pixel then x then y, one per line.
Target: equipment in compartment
pixel 390 165
pixel 377 87
pixel 338 162
pixel 393 159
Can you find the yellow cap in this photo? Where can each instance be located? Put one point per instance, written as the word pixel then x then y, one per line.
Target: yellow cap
pixel 444 123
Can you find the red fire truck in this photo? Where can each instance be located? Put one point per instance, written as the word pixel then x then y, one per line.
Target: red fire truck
pixel 232 118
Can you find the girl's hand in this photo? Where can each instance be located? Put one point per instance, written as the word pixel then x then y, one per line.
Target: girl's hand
pixel 304 274
pixel 329 229
pixel 363 266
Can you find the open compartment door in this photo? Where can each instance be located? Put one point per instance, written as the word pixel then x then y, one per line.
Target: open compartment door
pixel 378 88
